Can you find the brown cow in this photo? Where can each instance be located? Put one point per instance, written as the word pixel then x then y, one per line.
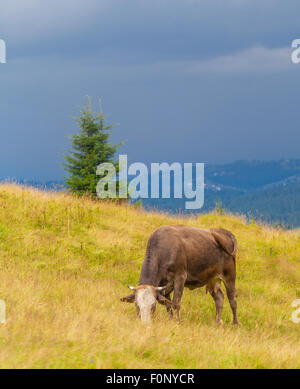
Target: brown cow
pixel 182 256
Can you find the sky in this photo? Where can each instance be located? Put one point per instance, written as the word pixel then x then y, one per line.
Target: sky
pixel 184 80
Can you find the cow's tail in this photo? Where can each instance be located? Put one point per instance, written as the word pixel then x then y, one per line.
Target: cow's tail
pixel 226 240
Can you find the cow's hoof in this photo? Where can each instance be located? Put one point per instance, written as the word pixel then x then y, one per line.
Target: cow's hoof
pixel 220 322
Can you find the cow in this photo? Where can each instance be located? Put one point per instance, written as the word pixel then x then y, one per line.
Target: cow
pixel 179 256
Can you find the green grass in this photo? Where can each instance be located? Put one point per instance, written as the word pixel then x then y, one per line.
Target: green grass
pixel 66 262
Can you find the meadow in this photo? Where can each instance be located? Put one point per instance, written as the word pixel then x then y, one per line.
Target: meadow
pixel 65 262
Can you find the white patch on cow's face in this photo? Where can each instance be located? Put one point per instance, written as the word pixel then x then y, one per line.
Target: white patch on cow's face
pixel 145 301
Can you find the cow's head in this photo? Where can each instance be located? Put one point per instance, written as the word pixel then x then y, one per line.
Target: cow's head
pixel 145 298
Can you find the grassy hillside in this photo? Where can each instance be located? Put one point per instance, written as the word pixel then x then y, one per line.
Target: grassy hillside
pixel 65 263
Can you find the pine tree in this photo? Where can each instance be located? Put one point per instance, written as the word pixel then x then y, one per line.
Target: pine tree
pixel 90 148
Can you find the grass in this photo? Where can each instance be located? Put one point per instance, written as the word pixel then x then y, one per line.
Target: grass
pixel 66 262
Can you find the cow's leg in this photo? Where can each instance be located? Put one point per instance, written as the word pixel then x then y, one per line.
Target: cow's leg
pixel 218 296
pixel 232 295
pixel 169 309
pixel 213 287
pixel 179 282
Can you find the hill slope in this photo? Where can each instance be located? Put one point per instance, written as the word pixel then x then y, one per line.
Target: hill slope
pixel 65 263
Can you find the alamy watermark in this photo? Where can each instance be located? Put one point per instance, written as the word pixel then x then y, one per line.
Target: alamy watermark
pixel 2 51
pixel 295 56
pixel 2 312
pixel 296 314
pixel 138 187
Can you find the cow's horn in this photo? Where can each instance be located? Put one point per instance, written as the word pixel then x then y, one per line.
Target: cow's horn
pixel 131 287
pixel 161 288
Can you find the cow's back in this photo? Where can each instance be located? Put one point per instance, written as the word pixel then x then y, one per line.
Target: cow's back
pixel 184 249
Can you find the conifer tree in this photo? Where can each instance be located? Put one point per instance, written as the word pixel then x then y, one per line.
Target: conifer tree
pixel 90 148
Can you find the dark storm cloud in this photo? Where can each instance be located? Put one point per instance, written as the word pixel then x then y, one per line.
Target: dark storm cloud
pixel 187 80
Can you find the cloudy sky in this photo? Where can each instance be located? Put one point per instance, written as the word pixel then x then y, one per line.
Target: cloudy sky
pixel 185 80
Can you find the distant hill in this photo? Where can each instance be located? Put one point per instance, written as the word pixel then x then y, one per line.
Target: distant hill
pixel 250 175
pixel 43 185
pixel 266 191
pixel 279 205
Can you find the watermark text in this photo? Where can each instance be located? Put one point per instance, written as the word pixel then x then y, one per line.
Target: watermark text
pixel 2 51
pixel 2 312
pixel 296 314
pixel 188 181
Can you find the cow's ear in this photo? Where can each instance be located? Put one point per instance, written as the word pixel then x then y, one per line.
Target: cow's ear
pixel 164 301
pixel 128 299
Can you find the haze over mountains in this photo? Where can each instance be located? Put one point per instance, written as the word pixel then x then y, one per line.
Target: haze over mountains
pixel 267 191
